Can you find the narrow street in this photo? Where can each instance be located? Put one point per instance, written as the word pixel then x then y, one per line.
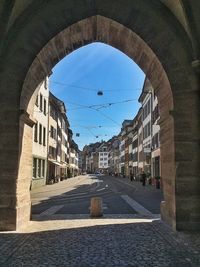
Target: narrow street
pixel 61 232
pixel 119 195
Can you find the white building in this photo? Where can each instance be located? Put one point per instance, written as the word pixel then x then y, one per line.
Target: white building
pixel 103 157
pixel 40 134
pixel 146 101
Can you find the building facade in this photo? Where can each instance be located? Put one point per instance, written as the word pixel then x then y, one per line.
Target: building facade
pixel 155 147
pixel 40 137
pixel 55 154
pixel 103 157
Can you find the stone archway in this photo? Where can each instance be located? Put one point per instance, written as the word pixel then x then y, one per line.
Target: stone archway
pixel 27 61
pixel 99 28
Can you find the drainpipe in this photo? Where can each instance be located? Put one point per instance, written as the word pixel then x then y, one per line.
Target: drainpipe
pixel 47 162
pixel 151 110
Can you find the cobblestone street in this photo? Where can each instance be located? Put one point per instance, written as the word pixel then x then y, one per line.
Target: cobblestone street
pixel 114 240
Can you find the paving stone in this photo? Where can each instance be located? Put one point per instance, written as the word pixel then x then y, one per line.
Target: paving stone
pixel 112 245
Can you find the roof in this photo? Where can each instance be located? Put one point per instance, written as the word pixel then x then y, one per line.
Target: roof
pixel 147 87
pixel 59 103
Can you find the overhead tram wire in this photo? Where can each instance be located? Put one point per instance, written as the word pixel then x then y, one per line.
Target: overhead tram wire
pixel 98 106
pixel 92 108
pixel 96 136
pixel 93 126
pixel 104 105
pixel 92 89
pixel 107 117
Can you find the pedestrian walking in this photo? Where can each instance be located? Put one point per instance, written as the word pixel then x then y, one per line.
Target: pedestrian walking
pixel 131 176
pixel 157 182
pixel 143 178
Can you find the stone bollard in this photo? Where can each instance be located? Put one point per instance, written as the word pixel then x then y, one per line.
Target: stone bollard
pixel 96 209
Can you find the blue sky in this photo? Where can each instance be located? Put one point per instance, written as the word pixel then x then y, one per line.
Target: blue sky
pixel 80 75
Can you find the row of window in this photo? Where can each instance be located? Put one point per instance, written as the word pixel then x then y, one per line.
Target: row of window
pixel 133 156
pixel 101 154
pixel 155 114
pixel 40 134
pixel 122 159
pixel 113 162
pixel 103 149
pixel 155 141
pixel 103 159
pixel 103 164
pixel 53 113
pixel 135 143
pixel 52 152
pixel 53 132
pixel 41 103
pixel 122 147
pixel 146 109
pixel 39 168
pixel 147 130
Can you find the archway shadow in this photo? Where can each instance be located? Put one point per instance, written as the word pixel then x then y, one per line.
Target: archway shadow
pixel 127 244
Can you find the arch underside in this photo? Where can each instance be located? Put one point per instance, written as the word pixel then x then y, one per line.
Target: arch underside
pixel 102 29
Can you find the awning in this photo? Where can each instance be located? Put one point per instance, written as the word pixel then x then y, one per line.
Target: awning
pixel 64 166
pixel 55 162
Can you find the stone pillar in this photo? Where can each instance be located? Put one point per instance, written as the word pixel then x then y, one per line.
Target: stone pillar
pixel 96 209
pixel 9 136
pixel 23 203
pixel 168 168
pixel 187 155
pixel 15 165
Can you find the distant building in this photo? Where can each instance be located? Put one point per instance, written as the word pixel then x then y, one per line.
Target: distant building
pixel 133 148
pixel 122 153
pixel 136 148
pixel 80 161
pixel 103 157
pixel 126 139
pixel 113 155
pixel 74 170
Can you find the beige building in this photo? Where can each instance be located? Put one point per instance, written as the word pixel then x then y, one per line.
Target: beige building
pixel 155 147
pixel 74 170
pixel 40 133
pixel 59 151
pixel 65 149
pixel 146 101
pixel 134 146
